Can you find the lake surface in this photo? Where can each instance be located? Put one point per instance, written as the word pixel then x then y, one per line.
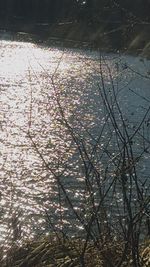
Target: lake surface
pixel 37 83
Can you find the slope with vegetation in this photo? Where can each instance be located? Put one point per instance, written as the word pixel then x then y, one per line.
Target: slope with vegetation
pixel 111 24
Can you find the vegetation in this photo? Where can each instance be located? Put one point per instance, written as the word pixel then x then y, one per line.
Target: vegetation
pixel 108 176
pixel 111 24
pixel 92 11
pixel 55 251
pixel 114 208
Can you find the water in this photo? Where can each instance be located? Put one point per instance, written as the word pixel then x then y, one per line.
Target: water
pixel 36 84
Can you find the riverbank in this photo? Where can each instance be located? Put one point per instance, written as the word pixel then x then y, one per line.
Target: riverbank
pixel 57 251
pixel 127 38
pixel 131 39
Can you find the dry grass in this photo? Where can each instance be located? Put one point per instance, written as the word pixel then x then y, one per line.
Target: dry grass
pixel 52 252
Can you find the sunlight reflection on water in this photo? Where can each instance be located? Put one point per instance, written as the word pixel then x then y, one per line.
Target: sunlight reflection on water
pixel 28 102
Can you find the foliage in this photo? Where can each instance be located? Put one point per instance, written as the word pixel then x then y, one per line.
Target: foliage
pixel 61 252
pixel 90 10
pixel 109 161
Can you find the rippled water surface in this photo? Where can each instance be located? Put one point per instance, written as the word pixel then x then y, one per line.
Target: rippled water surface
pixel 36 84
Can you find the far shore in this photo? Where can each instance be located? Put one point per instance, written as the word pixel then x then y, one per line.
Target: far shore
pixel 130 39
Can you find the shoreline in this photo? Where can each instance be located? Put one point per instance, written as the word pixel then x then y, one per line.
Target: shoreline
pixel 55 250
pixel 132 41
